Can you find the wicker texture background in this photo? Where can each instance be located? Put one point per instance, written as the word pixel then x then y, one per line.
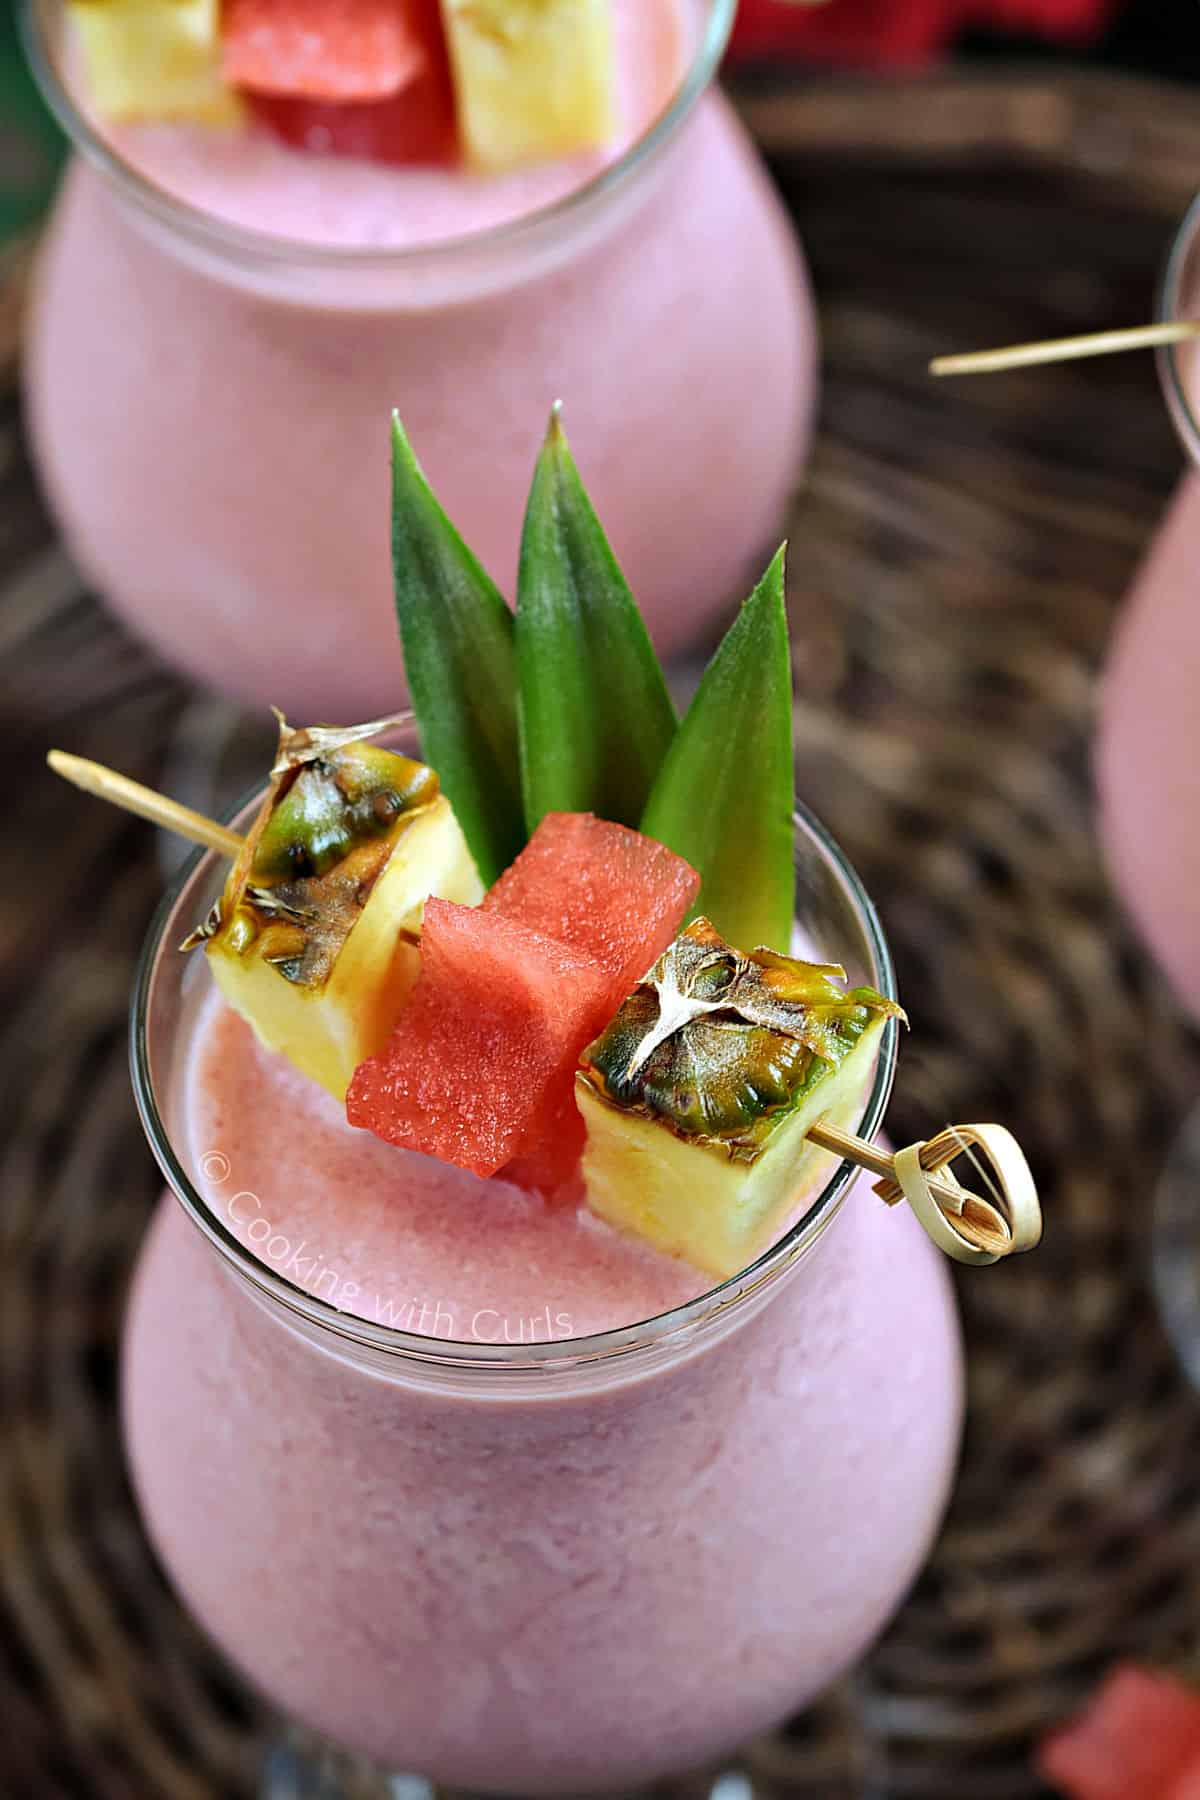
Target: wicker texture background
pixel 958 554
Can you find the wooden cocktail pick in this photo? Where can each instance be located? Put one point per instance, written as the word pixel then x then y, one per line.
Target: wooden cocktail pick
pixel 1069 349
pixel 966 1225
pixel 132 797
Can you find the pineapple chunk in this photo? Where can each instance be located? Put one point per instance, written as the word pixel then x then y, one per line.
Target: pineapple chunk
pixel 699 1095
pixel 314 940
pixel 154 59
pixel 533 78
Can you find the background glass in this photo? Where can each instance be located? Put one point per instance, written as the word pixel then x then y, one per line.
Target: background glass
pixel 209 405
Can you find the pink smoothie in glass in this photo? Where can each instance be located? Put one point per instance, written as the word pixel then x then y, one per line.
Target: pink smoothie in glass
pixel 521 1561
pixel 1148 739
pixel 1149 747
pixel 221 325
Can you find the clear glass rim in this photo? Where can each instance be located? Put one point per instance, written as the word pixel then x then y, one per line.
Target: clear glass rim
pixel 1169 309
pixel 221 235
pixel 715 1303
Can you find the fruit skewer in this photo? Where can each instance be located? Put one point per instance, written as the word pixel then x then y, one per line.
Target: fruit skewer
pixel 968 1226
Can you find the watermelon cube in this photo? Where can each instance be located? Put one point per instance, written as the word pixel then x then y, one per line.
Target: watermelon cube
pixel 549 1162
pixel 600 888
pixel 351 50
pixel 1138 1736
pixel 415 126
pixel 481 1063
pixel 480 1068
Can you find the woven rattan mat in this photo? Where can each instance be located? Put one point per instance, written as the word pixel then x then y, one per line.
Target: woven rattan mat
pixel 958 553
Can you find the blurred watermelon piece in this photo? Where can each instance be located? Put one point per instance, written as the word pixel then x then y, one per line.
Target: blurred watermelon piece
pixel 1185 1786
pixel 900 33
pixel 415 126
pixel 353 50
pixel 1138 1735
pixel 847 32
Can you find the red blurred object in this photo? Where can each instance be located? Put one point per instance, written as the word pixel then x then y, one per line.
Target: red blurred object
pixel 900 33
pixel 1187 1785
pixel 416 125
pixel 1138 1738
pixel 358 50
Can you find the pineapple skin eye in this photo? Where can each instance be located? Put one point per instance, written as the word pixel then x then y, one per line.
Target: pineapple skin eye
pixel 717 1045
pixel 719 1079
pixel 334 804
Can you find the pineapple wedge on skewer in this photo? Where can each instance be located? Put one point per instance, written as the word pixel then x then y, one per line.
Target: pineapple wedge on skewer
pixel 155 59
pixel 314 939
pixel 533 79
pixel 699 1095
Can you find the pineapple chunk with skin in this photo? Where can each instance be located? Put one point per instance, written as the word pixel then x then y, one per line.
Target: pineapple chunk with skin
pixel 533 79
pixel 698 1097
pixel 154 59
pixel 314 940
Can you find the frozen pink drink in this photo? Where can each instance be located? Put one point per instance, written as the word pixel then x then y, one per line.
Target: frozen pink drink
pixel 222 323
pixel 475 1484
pixel 1148 746
pixel 1149 730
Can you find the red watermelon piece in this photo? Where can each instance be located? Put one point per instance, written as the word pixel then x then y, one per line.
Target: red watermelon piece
pixel 480 1070
pixel 1139 1734
pixel 415 126
pixel 550 1163
pixel 327 49
pixel 482 1061
pixel 600 888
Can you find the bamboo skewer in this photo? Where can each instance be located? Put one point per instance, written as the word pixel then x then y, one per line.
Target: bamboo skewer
pixel 964 1224
pixel 961 1222
pixel 876 1161
pixel 1068 349
pixel 120 791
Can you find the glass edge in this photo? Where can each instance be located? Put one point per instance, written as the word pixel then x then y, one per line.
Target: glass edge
pixel 1167 310
pixel 268 250
pixel 715 1303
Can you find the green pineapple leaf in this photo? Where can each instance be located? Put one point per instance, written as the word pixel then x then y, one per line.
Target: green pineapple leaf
pixel 596 719
pixel 724 796
pixel 457 635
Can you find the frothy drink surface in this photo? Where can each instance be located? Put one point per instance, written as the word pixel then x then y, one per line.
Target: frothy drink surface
pixel 397 1238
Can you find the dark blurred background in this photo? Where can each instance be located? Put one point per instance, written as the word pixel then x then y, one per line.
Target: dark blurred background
pixel 1159 37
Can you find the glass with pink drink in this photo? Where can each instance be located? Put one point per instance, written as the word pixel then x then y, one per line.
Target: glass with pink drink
pixel 1148 772
pixel 487 1492
pixel 220 318
pixel 519 1382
